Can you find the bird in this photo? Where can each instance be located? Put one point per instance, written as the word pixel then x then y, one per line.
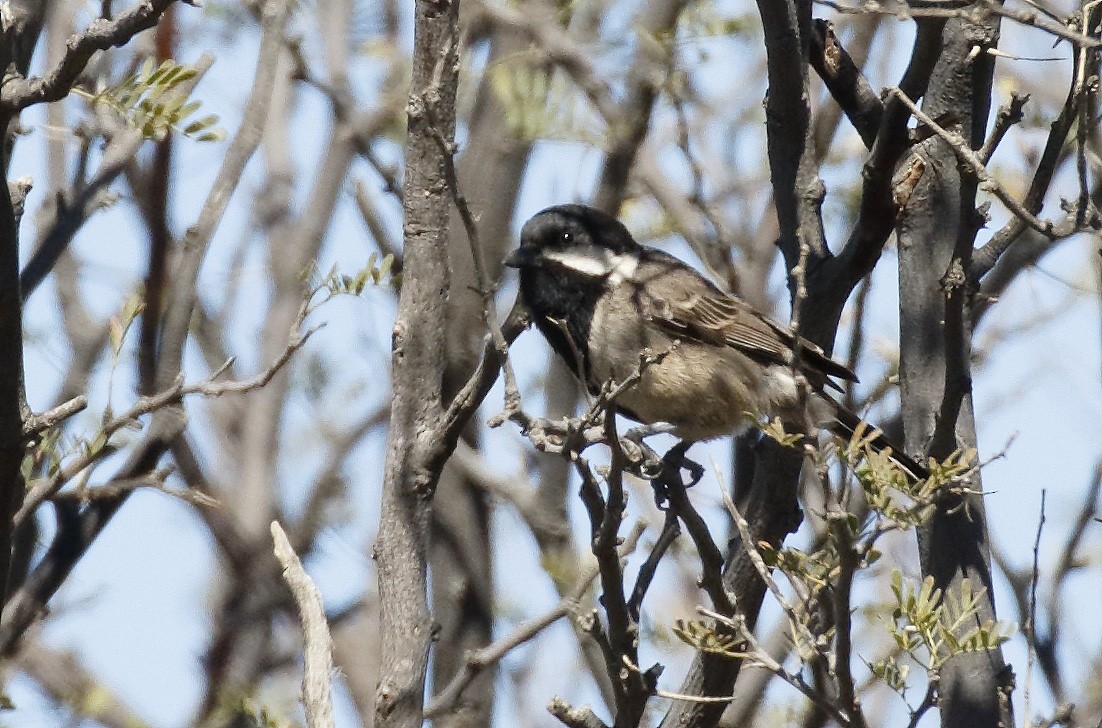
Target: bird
pixel 605 302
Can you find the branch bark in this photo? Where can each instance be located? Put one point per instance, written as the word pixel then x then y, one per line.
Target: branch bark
pixel 936 236
pixel 417 372
pixel 317 687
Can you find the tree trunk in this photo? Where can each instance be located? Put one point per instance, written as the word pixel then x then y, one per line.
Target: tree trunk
pixel 401 548
pixel 936 237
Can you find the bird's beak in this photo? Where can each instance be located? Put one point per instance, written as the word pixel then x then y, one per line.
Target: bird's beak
pixel 522 257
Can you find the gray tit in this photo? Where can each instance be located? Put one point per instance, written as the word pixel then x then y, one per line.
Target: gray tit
pixel 602 300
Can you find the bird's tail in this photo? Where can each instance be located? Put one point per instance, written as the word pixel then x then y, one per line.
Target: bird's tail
pixel 846 423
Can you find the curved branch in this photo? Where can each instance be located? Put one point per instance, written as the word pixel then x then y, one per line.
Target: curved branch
pixel 19 93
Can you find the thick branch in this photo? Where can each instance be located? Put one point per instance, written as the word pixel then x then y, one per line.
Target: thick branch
pixel 844 80
pixel 414 459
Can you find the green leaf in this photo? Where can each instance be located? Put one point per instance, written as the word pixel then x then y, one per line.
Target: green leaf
pixel 149 104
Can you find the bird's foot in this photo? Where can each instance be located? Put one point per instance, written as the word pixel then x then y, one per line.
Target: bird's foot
pixel 675 461
pixel 665 473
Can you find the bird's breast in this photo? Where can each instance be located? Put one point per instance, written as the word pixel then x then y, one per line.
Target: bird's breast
pixel 703 390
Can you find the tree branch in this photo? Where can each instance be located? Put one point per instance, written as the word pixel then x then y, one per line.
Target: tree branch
pixel 414 458
pixel 317 648
pixel 18 93
pixel 477 660
pixel 844 80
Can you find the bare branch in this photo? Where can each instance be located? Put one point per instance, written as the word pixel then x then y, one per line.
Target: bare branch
pixel 972 161
pixel 477 660
pixel 317 686
pixel 582 717
pixel 670 532
pixel 984 259
pixel 976 12
pixel 846 83
pixel 1009 115
pixel 880 203
pixel 1030 626
pixel 34 424
pixel 210 387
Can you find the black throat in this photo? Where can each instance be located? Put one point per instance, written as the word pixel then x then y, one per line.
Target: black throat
pixel 562 306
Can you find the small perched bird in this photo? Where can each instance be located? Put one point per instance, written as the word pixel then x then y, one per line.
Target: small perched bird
pixel 602 301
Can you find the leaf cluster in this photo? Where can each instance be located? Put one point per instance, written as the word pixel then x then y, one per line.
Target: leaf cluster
pixel 930 627
pixel 335 283
pixel 47 455
pixel 892 495
pixel 146 100
pixel 702 636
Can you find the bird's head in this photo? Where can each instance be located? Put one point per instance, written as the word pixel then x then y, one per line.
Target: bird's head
pixel 575 239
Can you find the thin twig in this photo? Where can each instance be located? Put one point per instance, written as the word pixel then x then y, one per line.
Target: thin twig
pixel 1030 627
pixel 711 558
pixel 210 387
pixel 34 424
pixel 761 658
pixel 849 562
pixel 1025 17
pixel 756 559
pixel 485 290
pixel 582 717
pixel 976 166
pixel 1009 115
pixel 929 700
pixel 670 532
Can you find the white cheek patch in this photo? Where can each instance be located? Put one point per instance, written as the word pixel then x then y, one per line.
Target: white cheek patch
pixel 592 263
pixel 596 263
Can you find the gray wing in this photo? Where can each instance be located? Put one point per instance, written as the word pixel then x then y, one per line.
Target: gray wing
pixel 687 305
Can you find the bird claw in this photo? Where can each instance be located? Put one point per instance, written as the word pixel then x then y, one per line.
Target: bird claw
pixel 661 473
pixel 676 461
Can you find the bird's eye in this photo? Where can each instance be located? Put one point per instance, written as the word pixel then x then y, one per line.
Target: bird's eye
pixel 567 238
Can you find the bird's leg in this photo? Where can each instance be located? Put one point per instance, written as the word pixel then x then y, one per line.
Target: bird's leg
pixel 676 461
pixel 669 473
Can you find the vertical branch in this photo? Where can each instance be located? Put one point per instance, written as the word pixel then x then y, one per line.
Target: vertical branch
pixel 488 174
pixel 936 236
pixel 157 197
pixel 11 375
pixel 798 191
pixel 418 357
pixel 23 24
